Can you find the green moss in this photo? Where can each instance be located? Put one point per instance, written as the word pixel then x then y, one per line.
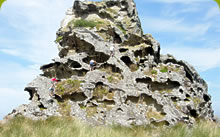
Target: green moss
pixel 110 79
pixel 167 91
pixel 100 92
pixel 111 11
pixel 122 29
pixel 114 78
pixel 196 101
pixel 154 72
pixel 164 69
pixel 91 111
pixel 58 39
pixel 68 86
pixel 154 114
pixel 64 108
pixel 85 23
pixel 137 59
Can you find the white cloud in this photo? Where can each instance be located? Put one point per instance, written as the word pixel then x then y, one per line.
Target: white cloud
pixel 202 58
pixel 179 1
pixel 212 12
pixel 37 21
pixel 14 77
pixel 174 25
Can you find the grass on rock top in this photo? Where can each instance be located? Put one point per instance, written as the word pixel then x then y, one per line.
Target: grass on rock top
pixel 67 87
pixel 85 23
pixel 70 127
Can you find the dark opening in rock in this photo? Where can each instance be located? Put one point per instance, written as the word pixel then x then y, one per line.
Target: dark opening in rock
pixel 206 97
pixel 123 50
pixel 193 113
pixel 181 91
pixel 41 106
pixel 160 124
pixel 144 52
pixel 74 64
pixel 110 68
pixel 116 38
pixel 32 92
pixel 148 100
pixel 78 97
pixel 174 99
pixel 133 67
pixel 133 99
pixel 187 95
pixel 167 86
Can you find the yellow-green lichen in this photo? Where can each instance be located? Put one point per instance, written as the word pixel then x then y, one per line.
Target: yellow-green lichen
pixel 154 114
pixel 64 108
pixel 164 69
pixel 122 29
pixel 59 38
pixel 100 92
pixel 84 23
pixel 67 87
pixel 91 111
pixel 112 11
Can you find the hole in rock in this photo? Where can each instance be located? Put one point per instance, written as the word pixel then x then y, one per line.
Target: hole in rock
pixel 193 113
pixel 161 123
pixel 133 67
pixel 123 50
pixel 110 68
pixel 187 95
pixel 167 86
pixel 133 99
pixel 74 64
pixel 181 91
pixel 206 97
pixel 174 99
pixel 143 52
pixel 76 96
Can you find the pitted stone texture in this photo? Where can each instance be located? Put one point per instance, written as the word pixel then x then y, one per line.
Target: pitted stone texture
pixel 135 86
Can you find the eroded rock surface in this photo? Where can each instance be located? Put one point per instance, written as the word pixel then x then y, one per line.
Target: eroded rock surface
pixel 137 86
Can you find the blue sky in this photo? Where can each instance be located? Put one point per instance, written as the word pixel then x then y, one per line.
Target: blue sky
pixel 188 29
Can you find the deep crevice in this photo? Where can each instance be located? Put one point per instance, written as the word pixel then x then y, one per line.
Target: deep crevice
pixel 123 50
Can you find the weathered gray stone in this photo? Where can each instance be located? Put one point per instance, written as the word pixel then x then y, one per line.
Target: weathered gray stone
pixel 135 86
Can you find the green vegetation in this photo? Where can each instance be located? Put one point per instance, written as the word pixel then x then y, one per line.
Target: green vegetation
pixel 58 39
pixel 154 72
pixel 164 69
pixel 65 108
pixel 68 86
pixel 100 92
pixel 69 127
pixel 218 2
pixel 91 111
pixel 196 101
pixel 154 114
pixel 166 91
pixel 112 77
pixel 112 11
pixel 1 2
pixel 85 23
pixel 122 29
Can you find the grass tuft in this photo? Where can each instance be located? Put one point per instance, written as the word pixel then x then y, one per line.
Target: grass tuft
pixel 85 23
pixel 69 127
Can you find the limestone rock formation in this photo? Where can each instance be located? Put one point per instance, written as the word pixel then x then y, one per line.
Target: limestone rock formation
pixel 136 86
